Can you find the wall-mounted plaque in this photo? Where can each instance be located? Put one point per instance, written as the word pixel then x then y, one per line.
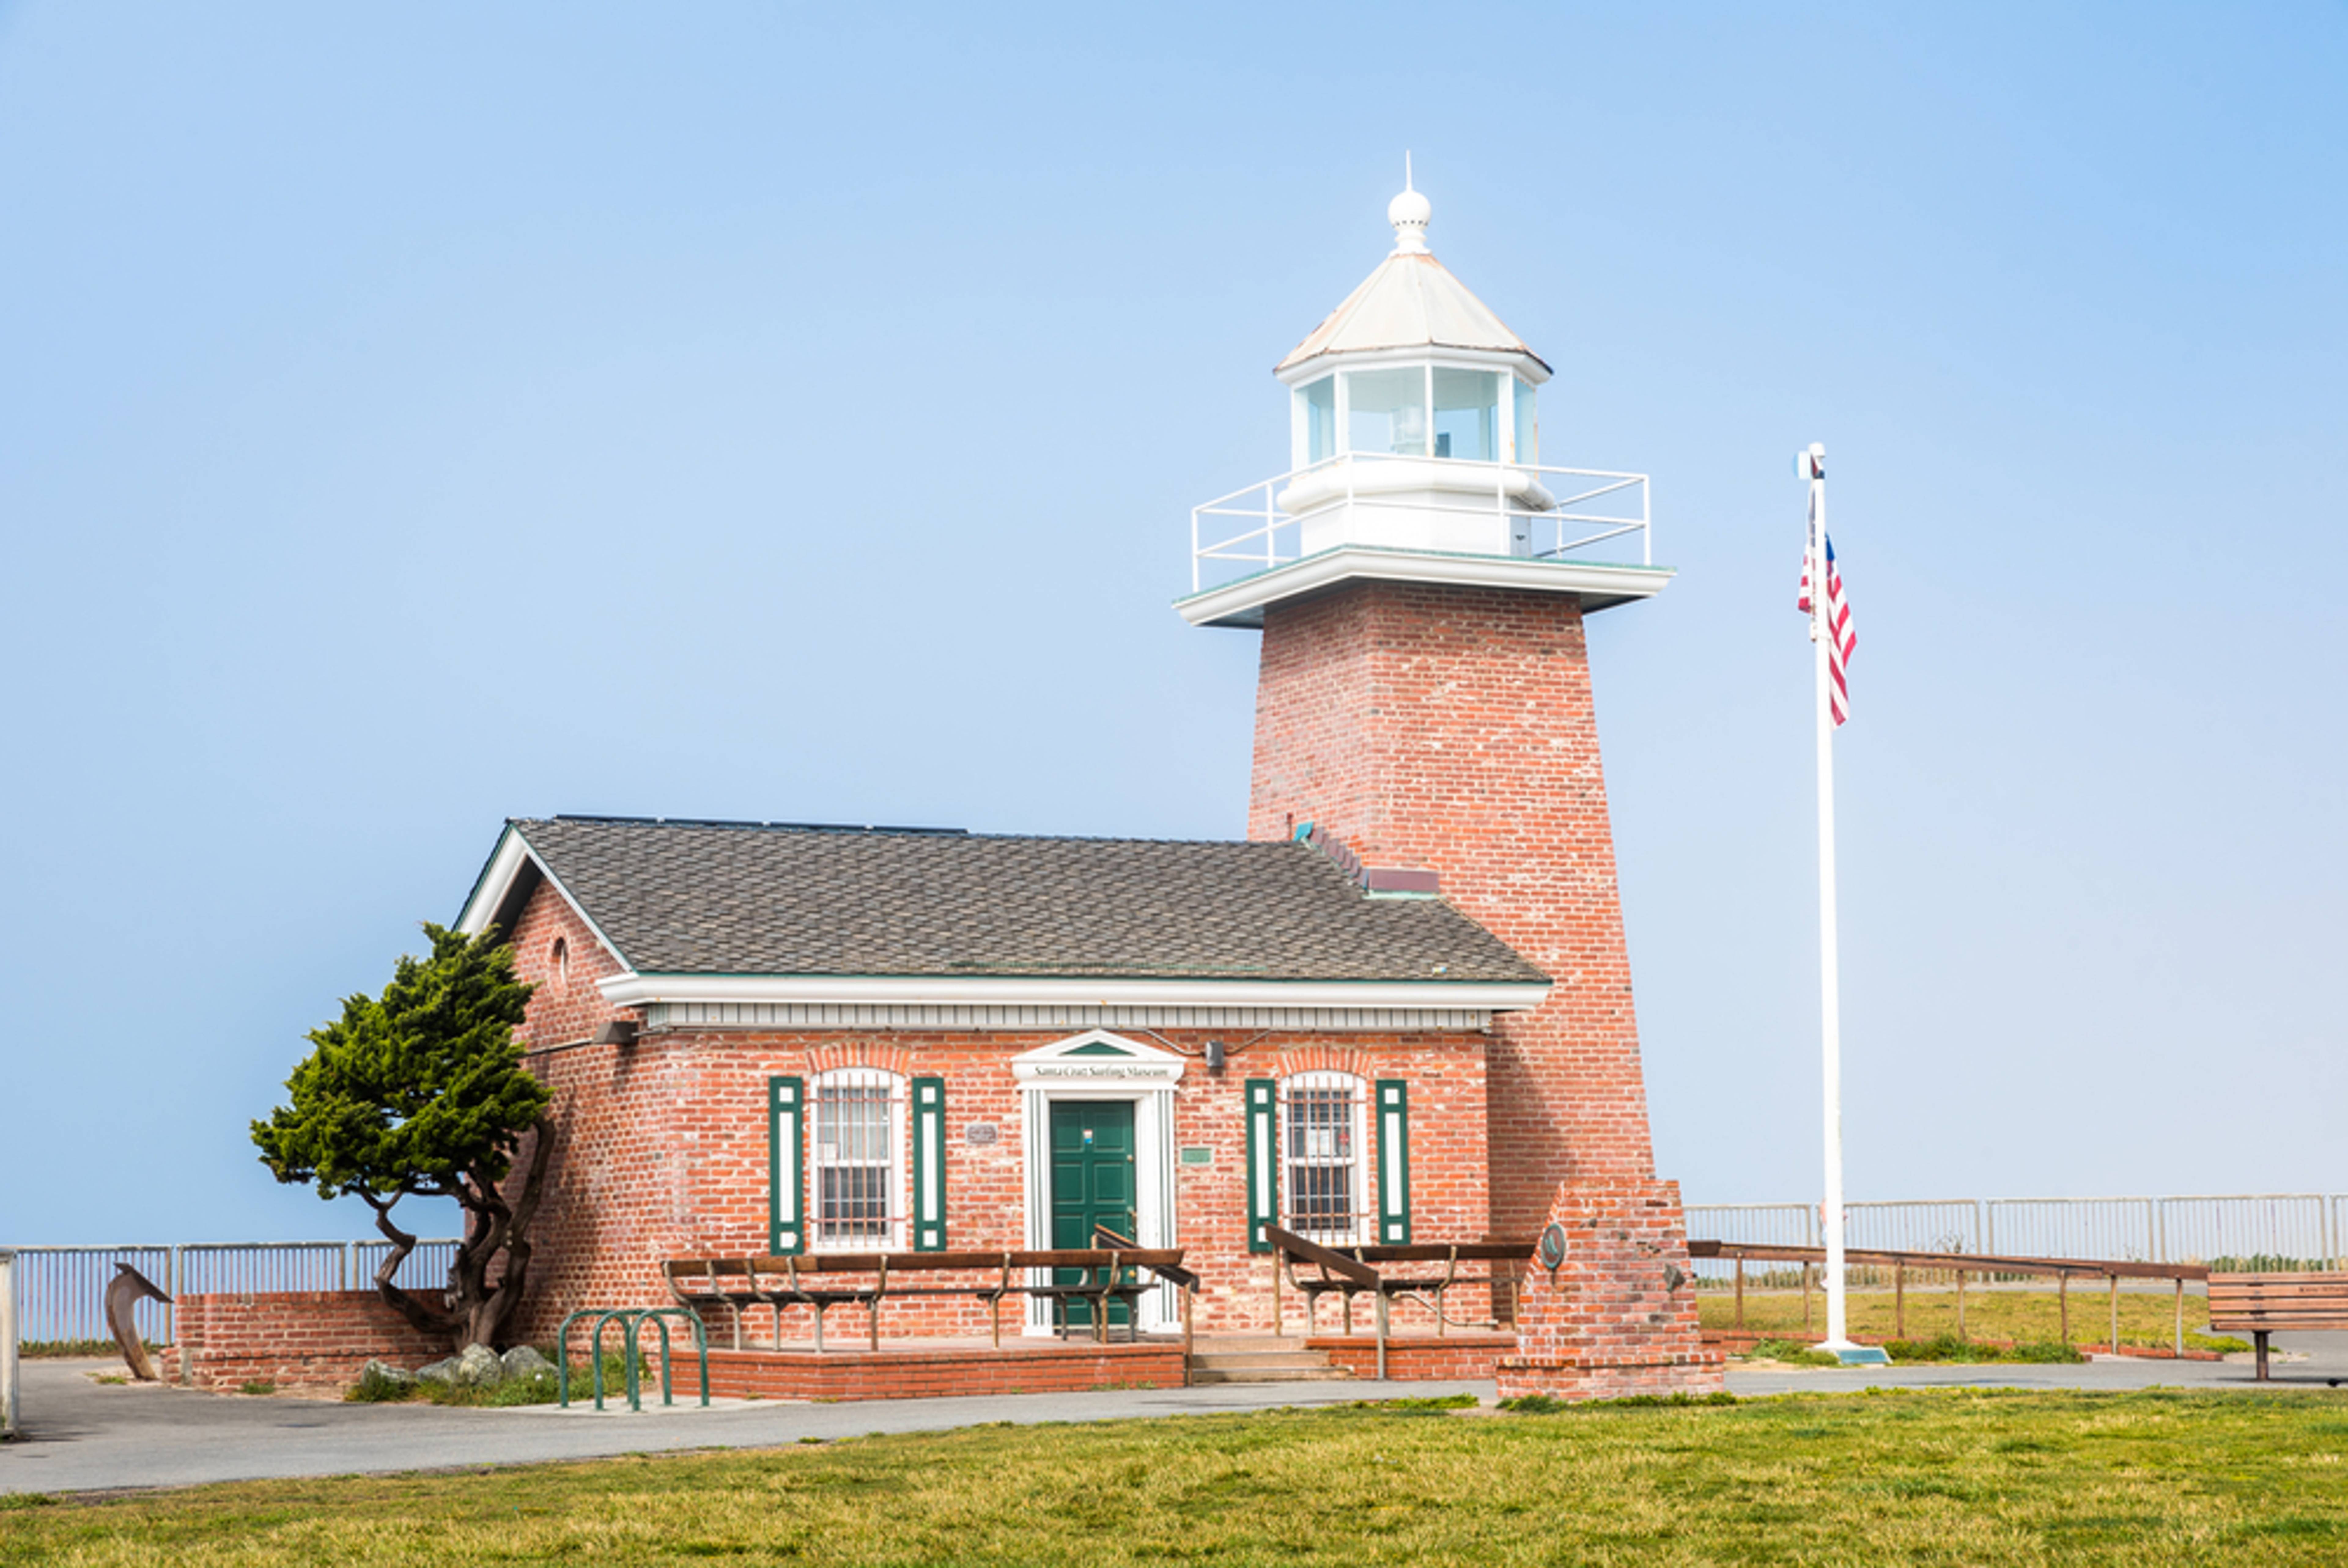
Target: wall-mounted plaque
pixel 979 1134
pixel 1198 1156
pixel 1552 1246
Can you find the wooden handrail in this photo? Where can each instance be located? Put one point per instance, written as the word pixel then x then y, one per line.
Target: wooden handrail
pixel 1971 1262
pixel 1292 1246
pixel 1152 1258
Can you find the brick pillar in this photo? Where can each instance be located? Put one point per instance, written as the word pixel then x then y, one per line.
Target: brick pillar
pixel 1618 1315
pixel 1454 729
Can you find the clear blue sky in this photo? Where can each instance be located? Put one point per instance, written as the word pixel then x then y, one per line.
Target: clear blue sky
pixel 412 416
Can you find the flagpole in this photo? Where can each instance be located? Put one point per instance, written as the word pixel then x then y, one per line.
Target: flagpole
pixel 1814 463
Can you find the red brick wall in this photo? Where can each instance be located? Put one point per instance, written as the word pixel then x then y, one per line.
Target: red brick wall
pixel 561 1009
pixel 304 1340
pixel 913 1374
pixel 1420 1358
pixel 1619 1314
pixel 1456 729
pixel 662 1150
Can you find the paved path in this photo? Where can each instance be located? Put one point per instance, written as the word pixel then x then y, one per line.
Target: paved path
pixel 84 1436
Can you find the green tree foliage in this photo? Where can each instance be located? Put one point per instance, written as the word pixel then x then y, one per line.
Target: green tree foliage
pixel 422 1091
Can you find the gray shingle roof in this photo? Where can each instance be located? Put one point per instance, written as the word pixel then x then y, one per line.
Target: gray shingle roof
pixel 695 898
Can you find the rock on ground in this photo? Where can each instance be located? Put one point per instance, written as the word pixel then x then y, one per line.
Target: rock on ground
pixel 521 1361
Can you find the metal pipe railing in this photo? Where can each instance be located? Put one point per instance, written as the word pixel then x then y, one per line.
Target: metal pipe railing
pixel 57 1294
pixel 1262 545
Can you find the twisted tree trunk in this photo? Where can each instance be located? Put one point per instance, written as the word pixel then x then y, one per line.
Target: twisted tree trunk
pixel 472 1310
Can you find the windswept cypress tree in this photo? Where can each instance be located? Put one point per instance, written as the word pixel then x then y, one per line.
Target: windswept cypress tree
pixel 422 1093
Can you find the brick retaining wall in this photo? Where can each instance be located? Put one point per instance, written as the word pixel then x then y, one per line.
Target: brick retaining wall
pixel 1418 1359
pixel 311 1341
pixel 930 1374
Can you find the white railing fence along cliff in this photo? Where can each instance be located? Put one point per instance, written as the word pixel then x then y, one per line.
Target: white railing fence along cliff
pixel 57 1294
pixel 2273 1231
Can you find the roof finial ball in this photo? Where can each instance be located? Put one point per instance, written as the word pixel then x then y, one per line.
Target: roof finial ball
pixel 1408 213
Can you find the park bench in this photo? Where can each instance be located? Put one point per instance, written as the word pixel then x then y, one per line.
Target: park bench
pixel 821 1281
pixel 1426 1271
pixel 2260 1304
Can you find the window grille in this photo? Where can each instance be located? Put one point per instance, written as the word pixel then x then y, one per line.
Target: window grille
pixel 1322 1139
pixel 859 1160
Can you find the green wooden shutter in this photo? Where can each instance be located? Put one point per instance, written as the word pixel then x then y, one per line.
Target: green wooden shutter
pixel 929 1165
pixel 786 1165
pixel 1394 1161
pixel 1263 1160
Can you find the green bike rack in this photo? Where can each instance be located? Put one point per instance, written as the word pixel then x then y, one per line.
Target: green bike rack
pixel 631 1321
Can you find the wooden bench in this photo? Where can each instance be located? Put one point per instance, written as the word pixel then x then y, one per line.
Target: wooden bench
pixel 2261 1304
pixel 1351 1271
pixel 822 1281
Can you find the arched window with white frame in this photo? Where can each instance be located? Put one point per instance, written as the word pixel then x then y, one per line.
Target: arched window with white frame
pixel 856 1161
pixel 1324 1144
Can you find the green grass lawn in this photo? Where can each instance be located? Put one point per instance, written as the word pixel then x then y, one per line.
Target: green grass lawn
pixel 1926 1477
pixel 2034 1316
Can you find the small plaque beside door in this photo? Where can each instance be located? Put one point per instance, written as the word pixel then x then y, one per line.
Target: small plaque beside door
pixel 1199 1156
pixel 979 1134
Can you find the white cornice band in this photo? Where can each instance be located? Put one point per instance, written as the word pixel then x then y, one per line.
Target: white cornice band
pixel 1242 602
pixel 631 990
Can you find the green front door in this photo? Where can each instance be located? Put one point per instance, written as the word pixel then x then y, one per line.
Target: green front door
pixel 1092 1183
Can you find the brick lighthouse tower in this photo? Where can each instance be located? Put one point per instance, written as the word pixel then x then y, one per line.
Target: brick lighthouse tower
pixel 1421 581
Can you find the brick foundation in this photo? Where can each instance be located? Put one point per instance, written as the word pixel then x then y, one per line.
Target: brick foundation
pixel 1419 1358
pixel 936 1372
pixel 301 1341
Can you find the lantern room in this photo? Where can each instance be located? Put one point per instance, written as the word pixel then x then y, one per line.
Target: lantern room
pixel 1413 413
pixel 1414 452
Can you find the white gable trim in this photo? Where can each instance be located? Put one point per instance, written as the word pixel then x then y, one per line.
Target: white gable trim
pixel 513 854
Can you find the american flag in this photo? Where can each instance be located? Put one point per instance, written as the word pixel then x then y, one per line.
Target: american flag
pixel 1840 637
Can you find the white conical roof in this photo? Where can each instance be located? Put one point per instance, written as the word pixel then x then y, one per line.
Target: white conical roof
pixel 1412 301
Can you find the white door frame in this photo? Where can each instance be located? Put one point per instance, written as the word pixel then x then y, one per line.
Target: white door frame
pixel 1099 1065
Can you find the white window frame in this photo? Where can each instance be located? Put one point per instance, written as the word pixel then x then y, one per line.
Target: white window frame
pixel 1362 1210
pixel 820 1237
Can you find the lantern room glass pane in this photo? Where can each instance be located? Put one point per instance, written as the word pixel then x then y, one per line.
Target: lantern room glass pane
pixel 1528 425
pixel 1318 405
pixel 1468 414
pixel 1387 411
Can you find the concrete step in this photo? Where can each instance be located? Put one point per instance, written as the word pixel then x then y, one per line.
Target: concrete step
pixel 1260 1359
pixel 1200 1375
pixel 1247 1360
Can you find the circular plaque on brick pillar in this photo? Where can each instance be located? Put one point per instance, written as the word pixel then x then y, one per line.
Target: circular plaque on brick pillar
pixel 1552 1246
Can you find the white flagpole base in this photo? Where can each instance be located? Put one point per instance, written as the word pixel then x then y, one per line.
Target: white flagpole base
pixel 1851 1355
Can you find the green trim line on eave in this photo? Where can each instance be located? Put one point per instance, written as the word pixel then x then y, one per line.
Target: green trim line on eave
pixel 1187 977
pixel 1231 583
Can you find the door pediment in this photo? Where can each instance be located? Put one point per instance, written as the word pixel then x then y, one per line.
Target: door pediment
pixel 1100 1057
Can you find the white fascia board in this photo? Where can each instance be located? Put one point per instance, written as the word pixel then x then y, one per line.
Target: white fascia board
pixel 955 990
pixel 1240 602
pixel 513 853
pixel 1528 366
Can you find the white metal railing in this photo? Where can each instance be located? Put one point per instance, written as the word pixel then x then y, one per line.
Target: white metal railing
pixel 1549 533
pixel 2279 1230
pixel 57 1294
pixel 7 1343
